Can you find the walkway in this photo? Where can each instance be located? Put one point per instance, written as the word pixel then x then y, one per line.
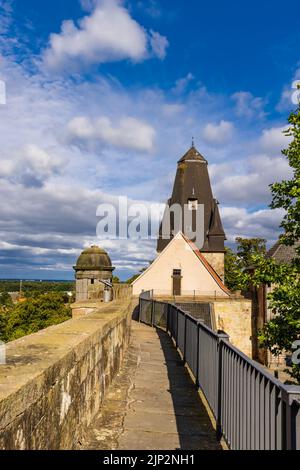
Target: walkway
pixel 152 403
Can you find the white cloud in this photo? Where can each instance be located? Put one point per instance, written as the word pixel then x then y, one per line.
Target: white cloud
pixel 238 222
pixel 182 83
pixel 273 140
pixel 31 166
pixel 218 133
pixel 5 18
pixel 290 95
pixel 159 44
pixel 150 7
pixel 250 184
pixel 172 109
pixel 54 186
pixel 130 133
pixel 108 34
pixel 89 5
pixel 248 106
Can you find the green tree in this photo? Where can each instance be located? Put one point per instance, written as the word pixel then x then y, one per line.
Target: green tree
pixel 279 334
pixel 3 325
pixel 235 277
pixel 5 300
pixel 35 314
pixel 10 285
pixel 286 194
pixel 248 249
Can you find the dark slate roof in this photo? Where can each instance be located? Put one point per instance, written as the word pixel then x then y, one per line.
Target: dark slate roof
pixel 192 182
pixel 283 253
pixel 216 227
pixel 192 154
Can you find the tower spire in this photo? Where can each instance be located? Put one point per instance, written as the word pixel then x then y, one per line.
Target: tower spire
pixel 192 184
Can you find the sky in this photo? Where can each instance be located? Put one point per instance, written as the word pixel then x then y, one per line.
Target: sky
pixel 104 96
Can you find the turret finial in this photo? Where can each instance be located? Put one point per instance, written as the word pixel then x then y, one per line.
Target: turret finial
pixel 193 143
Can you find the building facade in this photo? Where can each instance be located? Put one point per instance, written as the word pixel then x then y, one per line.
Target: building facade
pixel 180 270
pixel 191 192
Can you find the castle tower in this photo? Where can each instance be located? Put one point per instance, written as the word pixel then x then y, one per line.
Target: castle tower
pixel 192 187
pixel 93 272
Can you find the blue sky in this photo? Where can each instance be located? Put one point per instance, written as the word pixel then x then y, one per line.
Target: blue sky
pixel 103 98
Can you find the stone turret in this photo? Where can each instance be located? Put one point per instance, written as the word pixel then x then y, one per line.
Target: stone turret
pixel 93 272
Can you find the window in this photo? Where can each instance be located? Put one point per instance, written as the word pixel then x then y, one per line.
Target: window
pixel 176 272
pixel 92 281
pixel 192 204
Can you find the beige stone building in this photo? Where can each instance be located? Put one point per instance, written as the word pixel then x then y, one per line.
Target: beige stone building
pixel 183 272
pixel 180 270
pixel 192 196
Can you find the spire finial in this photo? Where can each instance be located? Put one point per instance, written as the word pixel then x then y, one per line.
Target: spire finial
pixel 193 143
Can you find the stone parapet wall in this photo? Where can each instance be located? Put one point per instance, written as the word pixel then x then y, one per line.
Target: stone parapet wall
pixel 122 291
pixel 231 315
pixel 234 316
pixel 55 380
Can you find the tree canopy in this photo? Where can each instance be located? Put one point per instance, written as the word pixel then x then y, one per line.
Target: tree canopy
pixel 33 315
pixel 248 249
pixel 279 333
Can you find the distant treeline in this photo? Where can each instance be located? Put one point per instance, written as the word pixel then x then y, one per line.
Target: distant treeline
pixel 41 287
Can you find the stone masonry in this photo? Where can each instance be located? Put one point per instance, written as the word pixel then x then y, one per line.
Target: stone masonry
pixel 55 380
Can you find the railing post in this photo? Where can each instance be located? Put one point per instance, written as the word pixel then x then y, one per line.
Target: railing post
pixel 140 306
pixel 223 337
pixel 176 339
pixel 152 312
pixel 184 349
pixel 291 423
pixel 168 317
pixel 199 322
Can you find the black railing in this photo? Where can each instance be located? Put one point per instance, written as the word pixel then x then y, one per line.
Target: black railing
pixel 251 408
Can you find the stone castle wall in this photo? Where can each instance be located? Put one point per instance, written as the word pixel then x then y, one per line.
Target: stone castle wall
pixel 122 291
pixel 235 318
pixel 55 380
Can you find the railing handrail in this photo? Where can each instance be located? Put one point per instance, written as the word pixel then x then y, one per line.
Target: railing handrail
pixel 250 374
pixel 229 345
pixel 259 368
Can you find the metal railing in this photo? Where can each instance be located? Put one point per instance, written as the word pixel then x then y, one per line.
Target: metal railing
pixel 213 294
pixel 252 410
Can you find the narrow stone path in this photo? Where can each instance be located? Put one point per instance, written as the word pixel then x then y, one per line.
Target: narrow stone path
pixel 152 403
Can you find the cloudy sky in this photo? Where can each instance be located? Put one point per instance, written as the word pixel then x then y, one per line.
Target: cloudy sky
pixel 102 99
